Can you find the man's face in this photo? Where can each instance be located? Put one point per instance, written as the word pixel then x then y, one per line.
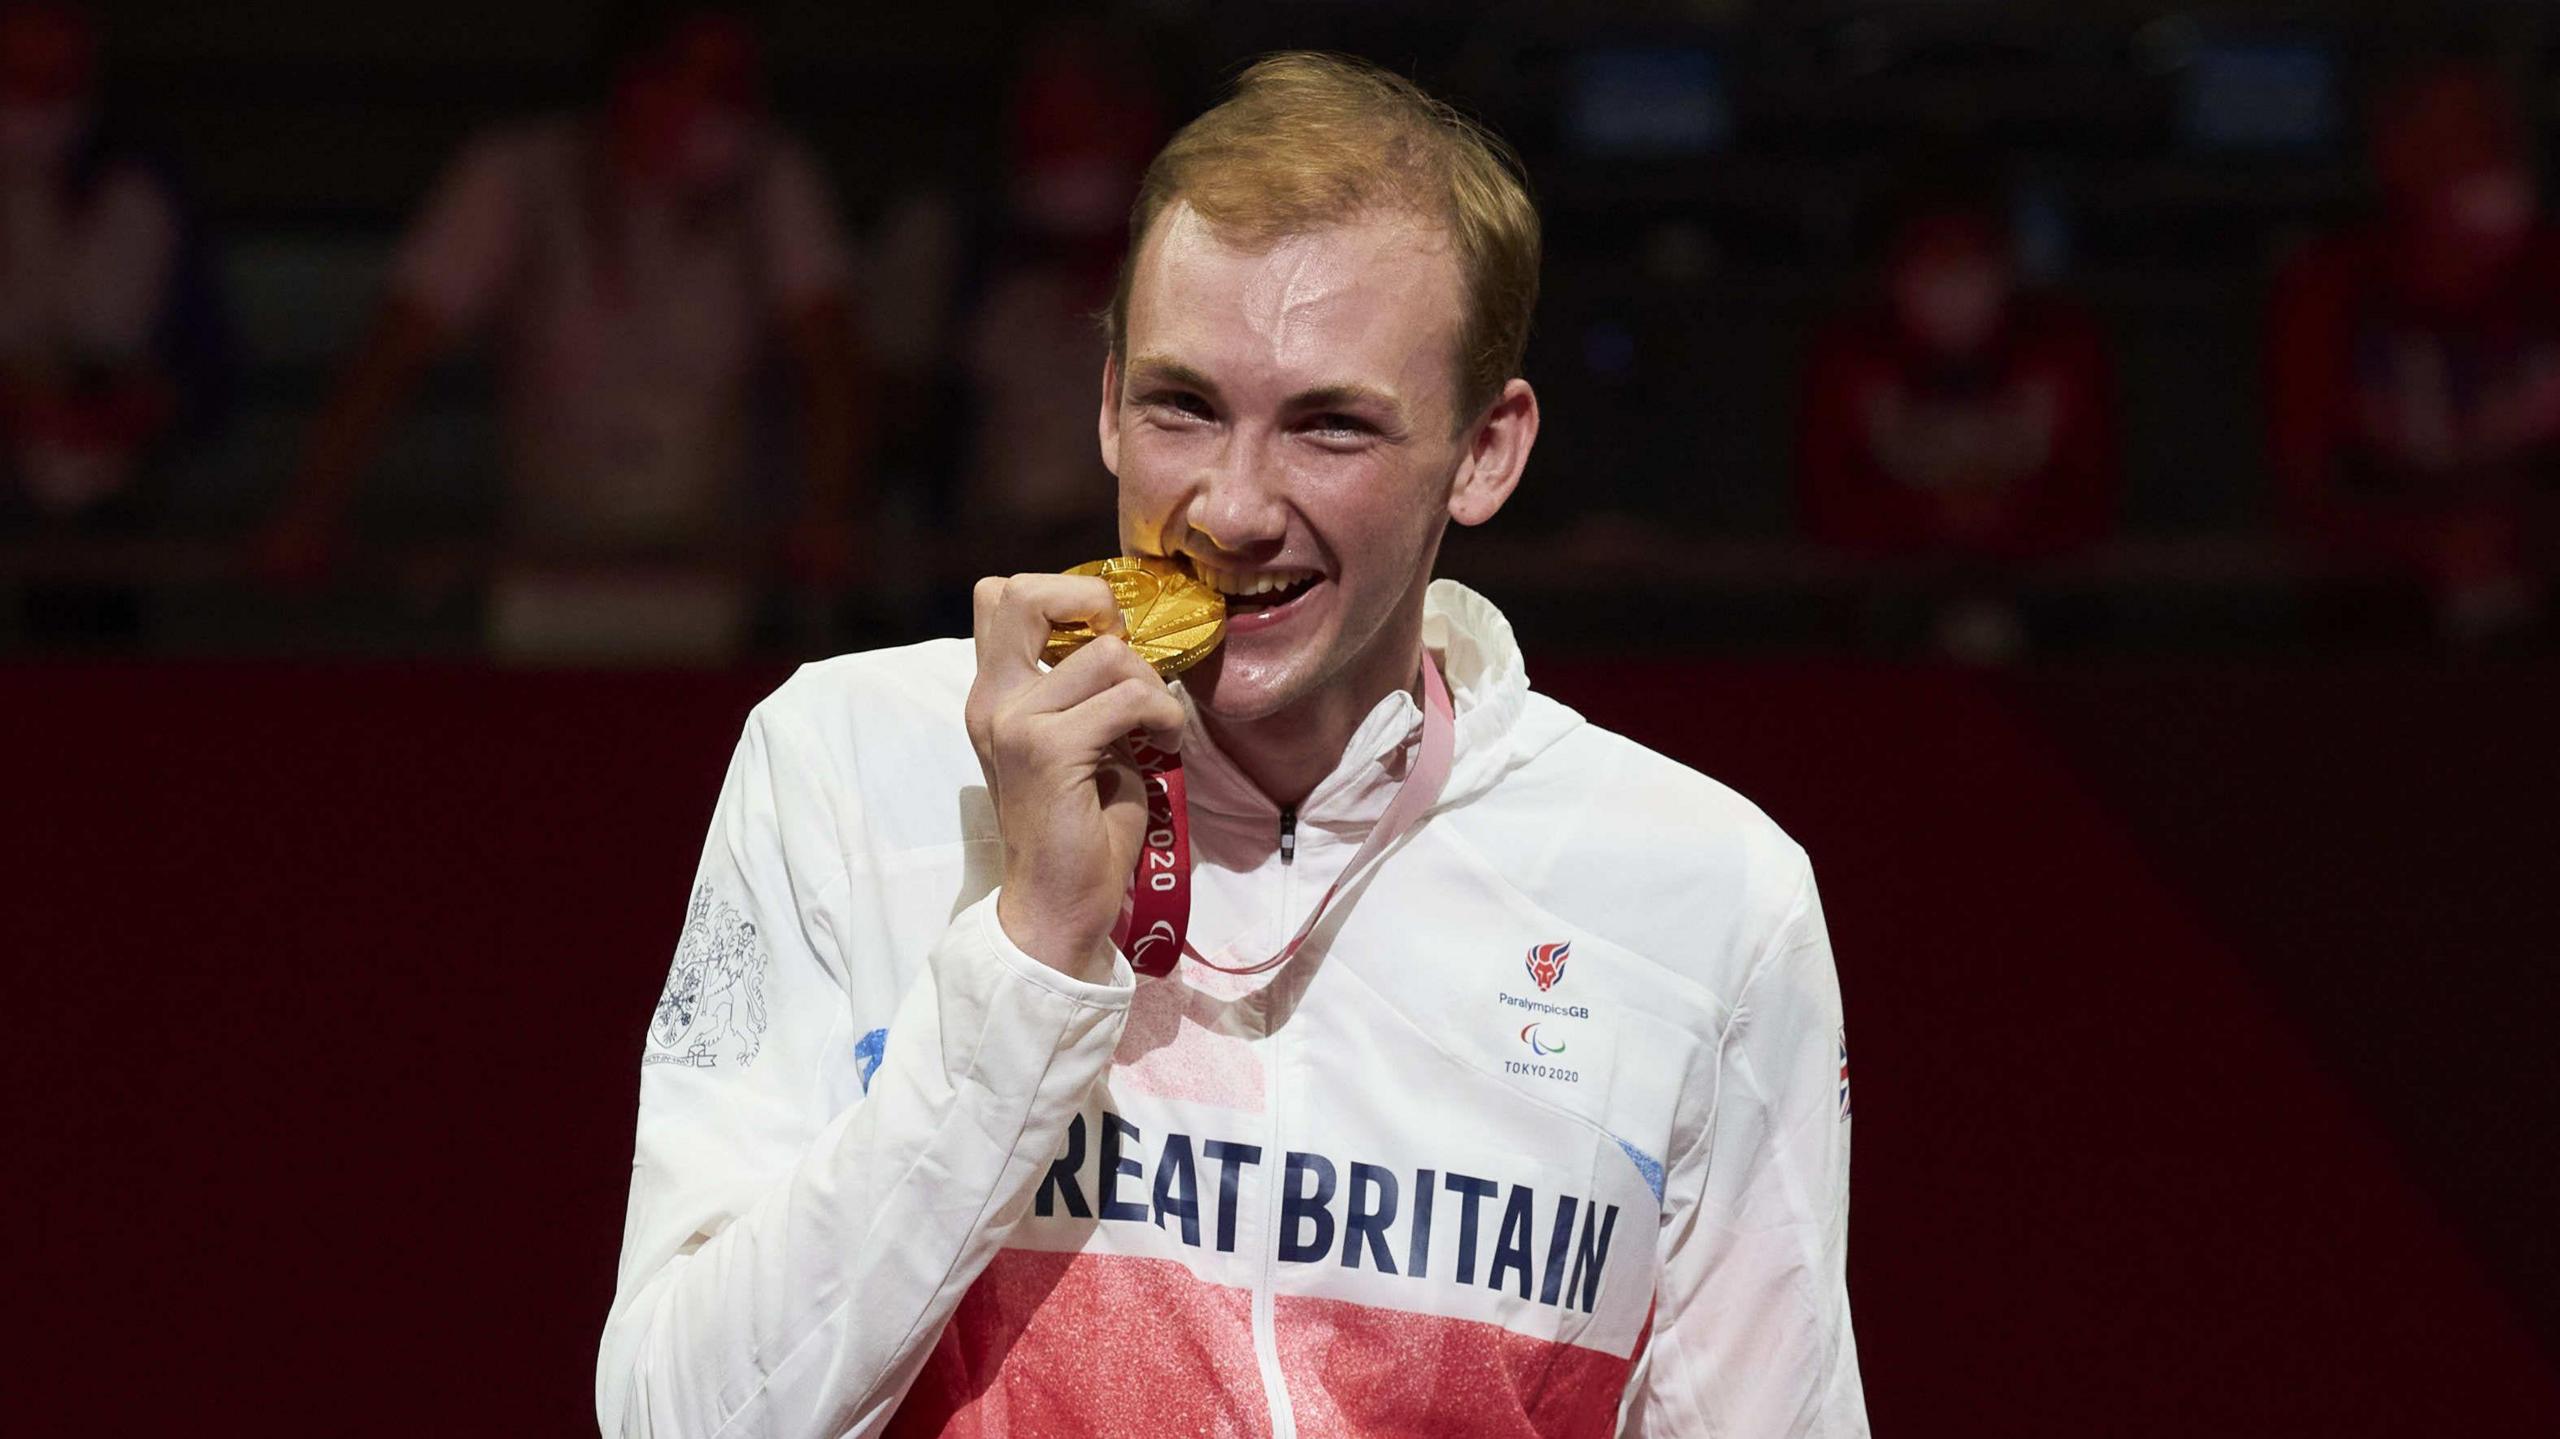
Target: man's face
pixel 1286 421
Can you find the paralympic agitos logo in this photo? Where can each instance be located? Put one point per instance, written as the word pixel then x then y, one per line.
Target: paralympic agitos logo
pixel 1537 1043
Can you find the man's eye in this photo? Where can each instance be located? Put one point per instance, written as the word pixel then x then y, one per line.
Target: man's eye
pixel 1182 402
pixel 1341 426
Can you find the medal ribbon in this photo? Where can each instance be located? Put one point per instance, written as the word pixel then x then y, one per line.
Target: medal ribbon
pixel 1155 923
pixel 1158 910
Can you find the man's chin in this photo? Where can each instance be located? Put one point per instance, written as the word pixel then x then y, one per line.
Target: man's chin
pixel 1235 691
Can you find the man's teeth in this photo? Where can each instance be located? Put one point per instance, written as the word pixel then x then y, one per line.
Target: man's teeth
pixel 1245 586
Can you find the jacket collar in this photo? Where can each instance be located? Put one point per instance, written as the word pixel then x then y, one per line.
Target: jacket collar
pixel 1487 685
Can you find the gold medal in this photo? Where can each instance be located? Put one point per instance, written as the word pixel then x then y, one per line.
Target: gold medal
pixel 1170 618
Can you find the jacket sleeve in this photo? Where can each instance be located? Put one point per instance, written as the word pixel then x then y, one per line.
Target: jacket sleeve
pixel 790 1257
pixel 1751 1319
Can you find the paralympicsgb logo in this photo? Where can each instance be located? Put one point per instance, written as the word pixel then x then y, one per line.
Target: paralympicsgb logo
pixel 1546 963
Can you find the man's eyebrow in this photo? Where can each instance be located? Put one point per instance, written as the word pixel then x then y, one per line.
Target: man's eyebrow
pixel 1165 370
pixel 1346 396
pixel 1152 370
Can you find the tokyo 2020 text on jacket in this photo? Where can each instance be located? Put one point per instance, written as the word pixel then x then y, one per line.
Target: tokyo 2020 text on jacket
pixel 1545 1132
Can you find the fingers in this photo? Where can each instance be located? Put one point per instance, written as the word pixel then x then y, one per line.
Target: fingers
pixel 1091 672
pixel 1138 703
pixel 1045 749
pixel 1098 666
pixel 1012 617
pixel 1015 697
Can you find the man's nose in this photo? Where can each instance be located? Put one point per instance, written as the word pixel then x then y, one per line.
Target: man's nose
pixel 1237 503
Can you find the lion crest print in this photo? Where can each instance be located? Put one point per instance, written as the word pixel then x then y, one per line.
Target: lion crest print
pixel 713 1005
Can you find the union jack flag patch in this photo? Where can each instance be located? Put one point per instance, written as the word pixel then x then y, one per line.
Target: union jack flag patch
pixel 1844 1074
pixel 1546 963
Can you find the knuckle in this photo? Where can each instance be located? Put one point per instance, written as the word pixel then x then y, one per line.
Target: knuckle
pixel 1015 730
pixel 1009 744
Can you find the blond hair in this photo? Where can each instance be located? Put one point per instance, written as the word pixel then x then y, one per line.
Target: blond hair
pixel 1308 140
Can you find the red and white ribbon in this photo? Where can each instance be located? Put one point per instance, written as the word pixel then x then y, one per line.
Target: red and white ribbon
pixel 1155 923
pixel 1158 910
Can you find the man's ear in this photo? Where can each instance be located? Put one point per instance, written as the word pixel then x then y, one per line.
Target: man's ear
pixel 1497 451
pixel 1110 423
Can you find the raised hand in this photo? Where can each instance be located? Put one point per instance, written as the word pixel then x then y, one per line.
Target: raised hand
pixel 1070 806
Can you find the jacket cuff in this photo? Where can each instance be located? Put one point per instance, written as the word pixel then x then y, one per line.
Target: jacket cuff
pixel 1112 993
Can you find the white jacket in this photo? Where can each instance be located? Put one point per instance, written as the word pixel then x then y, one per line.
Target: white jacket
pixel 1546 1132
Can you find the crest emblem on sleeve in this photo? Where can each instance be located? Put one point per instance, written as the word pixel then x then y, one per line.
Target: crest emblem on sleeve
pixel 1546 963
pixel 713 1005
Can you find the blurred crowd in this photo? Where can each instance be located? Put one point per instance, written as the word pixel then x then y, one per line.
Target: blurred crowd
pixel 728 418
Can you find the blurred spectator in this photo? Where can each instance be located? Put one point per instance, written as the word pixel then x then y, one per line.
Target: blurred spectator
pixel 2414 385
pixel 1958 425
pixel 1082 124
pixel 634 263
pixel 110 332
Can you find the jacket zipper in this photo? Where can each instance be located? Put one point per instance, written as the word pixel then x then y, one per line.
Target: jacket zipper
pixel 1266 1338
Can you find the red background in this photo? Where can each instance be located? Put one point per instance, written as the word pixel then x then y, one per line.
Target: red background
pixel 2199 1015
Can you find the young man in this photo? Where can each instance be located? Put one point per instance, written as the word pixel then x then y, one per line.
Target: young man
pixel 1541 1130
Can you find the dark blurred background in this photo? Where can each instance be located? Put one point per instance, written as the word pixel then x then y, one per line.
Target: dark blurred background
pixel 2092 471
